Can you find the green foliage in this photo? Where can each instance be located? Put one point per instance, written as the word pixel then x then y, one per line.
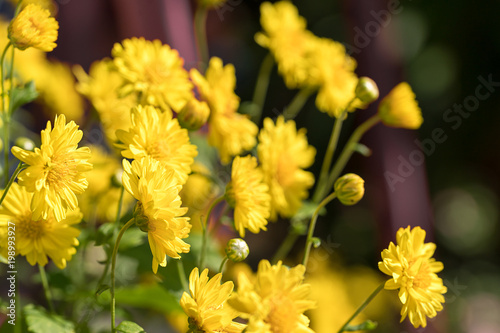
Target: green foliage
pixel 153 297
pixel 22 95
pixel 129 327
pixel 39 321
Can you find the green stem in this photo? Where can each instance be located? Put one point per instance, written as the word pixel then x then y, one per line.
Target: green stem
pixel 117 220
pixel 11 78
pixel 20 166
pixel 46 288
pixel 200 20
pixel 5 116
pixel 261 86
pixel 205 233
pixel 346 153
pixel 312 225
pixel 113 265
pixel 297 103
pixel 222 264
pixel 182 275
pixel 285 246
pixel 363 306
pixel 330 151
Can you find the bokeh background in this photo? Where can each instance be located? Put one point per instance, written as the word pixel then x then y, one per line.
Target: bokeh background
pixel 443 177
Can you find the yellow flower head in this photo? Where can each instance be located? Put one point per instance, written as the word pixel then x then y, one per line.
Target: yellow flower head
pixel 198 189
pixel 101 88
pixel 228 131
pixel 194 114
pixel 413 272
pixel 37 239
pixel 55 171
pixel 400 109
pixel 286 37
pixel 206 307
pixel 274 300
pixel 159 211
pixel 156 134
pixel 34 27
pixel 284 153
pixel 153 70
pixel 248 195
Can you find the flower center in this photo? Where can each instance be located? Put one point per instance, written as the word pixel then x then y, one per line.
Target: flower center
pixel 286 170
pixel 61 172
pixel 420 274
pixel 282 315
pixel 155 73
pixel 32 229
pixel 159 150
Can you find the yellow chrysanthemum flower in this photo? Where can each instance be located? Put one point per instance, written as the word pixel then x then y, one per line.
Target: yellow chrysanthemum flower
pixel 413 272
pixel 228 131
pixel 55 171
pixel 206 307
pixel 37 239
pixel 198 189
pixel 153 70
pixel 101 88
pixel 34 27
pixel 286 37
pixel 333 72
pixel 248 195
pixel 159 211
pixel 274 300
pixel 283 153
pixel 400 109
pixel 155 133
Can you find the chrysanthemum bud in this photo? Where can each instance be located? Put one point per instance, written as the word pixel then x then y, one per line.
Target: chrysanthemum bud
pixel 237 249
pixel 349 189
pixel 116 178
pixel 194 114
pixel 25 143
pixel 366 90
pixel 400 109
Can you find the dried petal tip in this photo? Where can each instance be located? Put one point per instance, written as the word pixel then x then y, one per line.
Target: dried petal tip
pixel 237 249
pixel 349 189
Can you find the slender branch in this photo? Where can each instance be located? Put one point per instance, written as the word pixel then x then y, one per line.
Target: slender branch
pixel 362 306
pixel 312 226
pixel 261 86
pixel 5 115
pixel 182 275
pixel 46 288
pixel 297 103
pixel 221 267
pixel 205 233
pixel 285 246
pixel 20 166
pixel 200 20
pixel 113 265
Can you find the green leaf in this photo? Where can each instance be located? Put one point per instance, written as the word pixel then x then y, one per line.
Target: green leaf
pixel 102 288
pixel 129 327
pixel 152 297
pixel 22 95
pixel 104 233
pixel 132 238
pixel 362 149
pixel 39 321
pixel 365 326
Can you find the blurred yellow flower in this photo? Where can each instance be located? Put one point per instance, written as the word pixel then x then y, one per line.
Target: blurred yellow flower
pixel 248 195
pixel 286 37
pixel 283 153
pixel 413 272
pixel 55 171
pixel 33 27
pixel 206 306
pixel 228 131
pixel 158 211
pixel 101 88
pixel 400 109
pixel 198 189
pixel 154 71
pixel 194 114
pixel 155 133
pixel 37 239
pixel 274 300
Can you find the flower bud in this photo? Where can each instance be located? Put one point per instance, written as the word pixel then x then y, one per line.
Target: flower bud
pixel 400 109
pixel 25 143
pixel 349 189
pixel 237 249
pixel 366 90
pixel 194 114
pixel 116 178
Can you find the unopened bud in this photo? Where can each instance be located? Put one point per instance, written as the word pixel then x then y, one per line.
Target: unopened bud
pixel 194 114
pixel 25 143
pixel 237 249
pixel 116 178
pixel 366 90
pixel 349 189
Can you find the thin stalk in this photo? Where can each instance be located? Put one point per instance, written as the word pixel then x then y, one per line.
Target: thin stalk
pixel 11 78
pixel 221 267
pixel 20 166
pixel 113 265
pixel 285 246
pixel 297 103
pixel 205 233
pixel 261 86
pixel 182 275
pixel 312 226
pixel 330 151
pixel 363 306
pixel 46 288
pixel 6 116
pixel 200 20
pixel 349 148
